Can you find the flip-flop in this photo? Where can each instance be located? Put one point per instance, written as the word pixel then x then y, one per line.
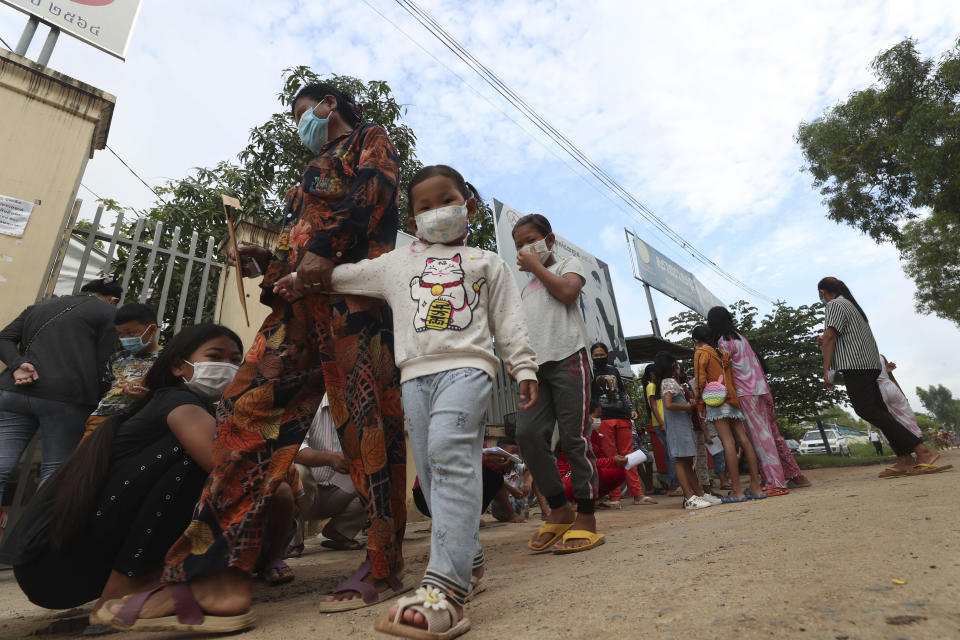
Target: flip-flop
pixel 646 500
pixel 556 530
pixel 772 492
pixel 729 499
pixel 596 539
pixel 754 496
pixel 892 472
pixel 923 469
pixel 369 594
pixel 341 545
pixel 793 484
pixel 188 614
pixel 277 566
pixel 432 604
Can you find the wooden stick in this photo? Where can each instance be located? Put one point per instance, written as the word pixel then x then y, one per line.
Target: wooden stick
pixel 231 205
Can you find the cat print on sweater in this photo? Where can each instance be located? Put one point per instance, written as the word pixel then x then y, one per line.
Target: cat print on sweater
pixel 442 296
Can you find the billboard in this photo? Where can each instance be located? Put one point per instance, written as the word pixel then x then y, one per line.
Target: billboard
pixel 105 24
pixel 667 277
pixel 597 301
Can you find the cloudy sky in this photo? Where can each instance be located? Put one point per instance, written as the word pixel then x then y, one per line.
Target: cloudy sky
pixel 692 106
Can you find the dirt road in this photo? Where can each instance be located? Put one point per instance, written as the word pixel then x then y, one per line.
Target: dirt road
pixel 818 563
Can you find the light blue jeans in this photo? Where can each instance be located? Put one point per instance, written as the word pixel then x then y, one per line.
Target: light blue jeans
pixel 61 427
pixel 445 415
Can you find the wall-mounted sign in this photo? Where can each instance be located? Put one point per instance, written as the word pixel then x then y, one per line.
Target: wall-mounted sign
pixel 14 215
pixel 666 276
pixel 105 24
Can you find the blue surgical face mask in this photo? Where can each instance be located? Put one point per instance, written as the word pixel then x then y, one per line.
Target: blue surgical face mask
pixel 313 130
pixel 135 344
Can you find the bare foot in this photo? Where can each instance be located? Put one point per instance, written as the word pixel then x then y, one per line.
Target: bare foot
pixel 560 515
pixel 227 592
pixel 582 523
pixel 517 518
pixel 801 479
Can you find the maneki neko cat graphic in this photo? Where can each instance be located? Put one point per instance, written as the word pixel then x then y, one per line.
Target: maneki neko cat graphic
pixel 442 296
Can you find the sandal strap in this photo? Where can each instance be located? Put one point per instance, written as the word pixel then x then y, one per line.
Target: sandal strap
pixel 436 619
pixel 356 583
pixel 185 605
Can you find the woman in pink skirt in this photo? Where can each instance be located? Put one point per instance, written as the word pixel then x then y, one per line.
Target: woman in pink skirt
pixel 756 403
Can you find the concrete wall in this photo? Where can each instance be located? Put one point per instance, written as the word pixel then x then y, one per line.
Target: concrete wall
pixel 50 125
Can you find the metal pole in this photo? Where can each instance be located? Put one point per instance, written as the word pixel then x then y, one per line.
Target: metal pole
pixel 823 434
pixel 48 46
pixel 654 324
pixel 27 37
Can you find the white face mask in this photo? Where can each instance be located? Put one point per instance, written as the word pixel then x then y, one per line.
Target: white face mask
pixel 210 379
pixel 540 248
pixel 443 225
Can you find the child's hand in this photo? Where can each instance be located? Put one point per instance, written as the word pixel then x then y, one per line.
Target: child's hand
pixel 620 461
pixel 289 287
pixel 527 260
pixel 528 394
pixel 135 388
pixel 707 438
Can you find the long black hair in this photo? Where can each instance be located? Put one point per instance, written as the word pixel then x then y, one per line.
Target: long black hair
pixel 663 367
pixel 838 288
pixel 721 324
pixel 347 105
pixel 466 189
pixel 85 471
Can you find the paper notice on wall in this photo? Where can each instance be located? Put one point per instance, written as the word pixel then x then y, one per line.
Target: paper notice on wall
pixel 14 215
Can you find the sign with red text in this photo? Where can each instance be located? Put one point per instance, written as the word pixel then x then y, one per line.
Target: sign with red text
pixel 105 24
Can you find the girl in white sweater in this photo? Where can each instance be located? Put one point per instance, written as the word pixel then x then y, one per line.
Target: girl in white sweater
pixel 449 303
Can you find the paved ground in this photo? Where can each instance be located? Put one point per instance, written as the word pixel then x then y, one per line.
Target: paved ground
pixel 818 563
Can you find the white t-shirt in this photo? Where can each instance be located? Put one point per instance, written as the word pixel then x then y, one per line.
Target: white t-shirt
pixel 322 436
pixel 557 330
pixel 874 436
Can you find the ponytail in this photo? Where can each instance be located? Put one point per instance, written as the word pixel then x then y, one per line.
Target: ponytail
pixel 83 475
pixel 837 287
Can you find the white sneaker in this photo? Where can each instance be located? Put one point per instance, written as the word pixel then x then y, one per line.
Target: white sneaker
pixel 712 499
pixel 695 502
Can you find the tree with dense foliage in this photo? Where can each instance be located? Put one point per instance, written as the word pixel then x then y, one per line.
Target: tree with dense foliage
pixel 887 161
pixel 785 340
pixel 939 401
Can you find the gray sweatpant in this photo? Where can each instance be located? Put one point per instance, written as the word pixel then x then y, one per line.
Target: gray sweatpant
pixel 563 400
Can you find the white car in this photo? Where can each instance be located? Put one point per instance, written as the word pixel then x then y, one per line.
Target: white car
pixel 813 442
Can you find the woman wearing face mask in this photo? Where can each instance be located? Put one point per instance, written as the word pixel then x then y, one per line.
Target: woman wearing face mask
pixel 559 338
pixel 103 523
pixel 617 414
pixel 343 210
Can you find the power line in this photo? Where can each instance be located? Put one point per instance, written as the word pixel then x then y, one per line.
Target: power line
pixel 564 143
pixel 5 44
pixel 130 169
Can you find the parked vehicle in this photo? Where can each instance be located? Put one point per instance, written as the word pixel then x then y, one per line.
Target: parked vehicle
pixel 813 443
pixel 794 446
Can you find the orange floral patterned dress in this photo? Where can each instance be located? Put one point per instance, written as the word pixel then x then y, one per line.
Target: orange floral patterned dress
pixel 344 209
